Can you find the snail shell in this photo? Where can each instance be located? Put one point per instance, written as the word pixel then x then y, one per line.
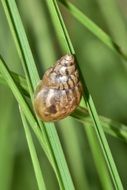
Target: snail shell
pixel 59 92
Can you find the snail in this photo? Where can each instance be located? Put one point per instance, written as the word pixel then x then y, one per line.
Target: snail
pixel 59 92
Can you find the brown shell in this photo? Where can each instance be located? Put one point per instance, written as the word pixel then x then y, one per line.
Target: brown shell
pixel 59 92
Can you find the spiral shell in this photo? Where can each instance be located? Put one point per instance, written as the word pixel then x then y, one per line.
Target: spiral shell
pixel 59 92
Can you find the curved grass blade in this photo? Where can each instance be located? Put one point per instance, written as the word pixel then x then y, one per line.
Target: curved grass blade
pixel 23 104
pixel 15 92
pixel 48 130
pixel 29 115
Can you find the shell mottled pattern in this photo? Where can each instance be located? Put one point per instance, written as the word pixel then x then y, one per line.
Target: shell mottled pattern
pixel 59 92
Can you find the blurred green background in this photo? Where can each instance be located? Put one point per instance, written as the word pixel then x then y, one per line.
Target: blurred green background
pixel 106 76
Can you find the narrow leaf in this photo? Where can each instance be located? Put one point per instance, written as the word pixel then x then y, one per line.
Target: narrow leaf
pixel 53 7
pixel 35 161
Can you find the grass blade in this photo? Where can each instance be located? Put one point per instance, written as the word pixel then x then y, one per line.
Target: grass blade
pixel 111 127
pixel 98 157
pixel 35 161
pixel 28 113
pixel 54 10
pixel 23 104
pixel 116 25
pixel 48 130
pixel 93 28
pixel 21 42
pixel 20 81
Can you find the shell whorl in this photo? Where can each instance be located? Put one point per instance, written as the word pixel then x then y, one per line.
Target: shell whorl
pixel 59 92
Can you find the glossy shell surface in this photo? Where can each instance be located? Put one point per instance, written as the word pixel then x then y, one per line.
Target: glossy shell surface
pixel 59 92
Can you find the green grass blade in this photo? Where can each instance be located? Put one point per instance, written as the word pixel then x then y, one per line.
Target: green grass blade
pixel 116 25
pixel 35 161
pixel 48 130
pixel 118 130
pixel 69 128
pixel 24 105
pixel 31 119
pixel 93 28
pixel 42 44
pixel 98 157
pixel 111 127
pixel 58 153
pixel 20 81
pixel 98 154
pixel 28 113
pixel 59 26
pixel 104 145
pixel 21 42
pixel 54 10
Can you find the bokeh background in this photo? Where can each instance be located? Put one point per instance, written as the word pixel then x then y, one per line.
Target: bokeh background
pixel 106 76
